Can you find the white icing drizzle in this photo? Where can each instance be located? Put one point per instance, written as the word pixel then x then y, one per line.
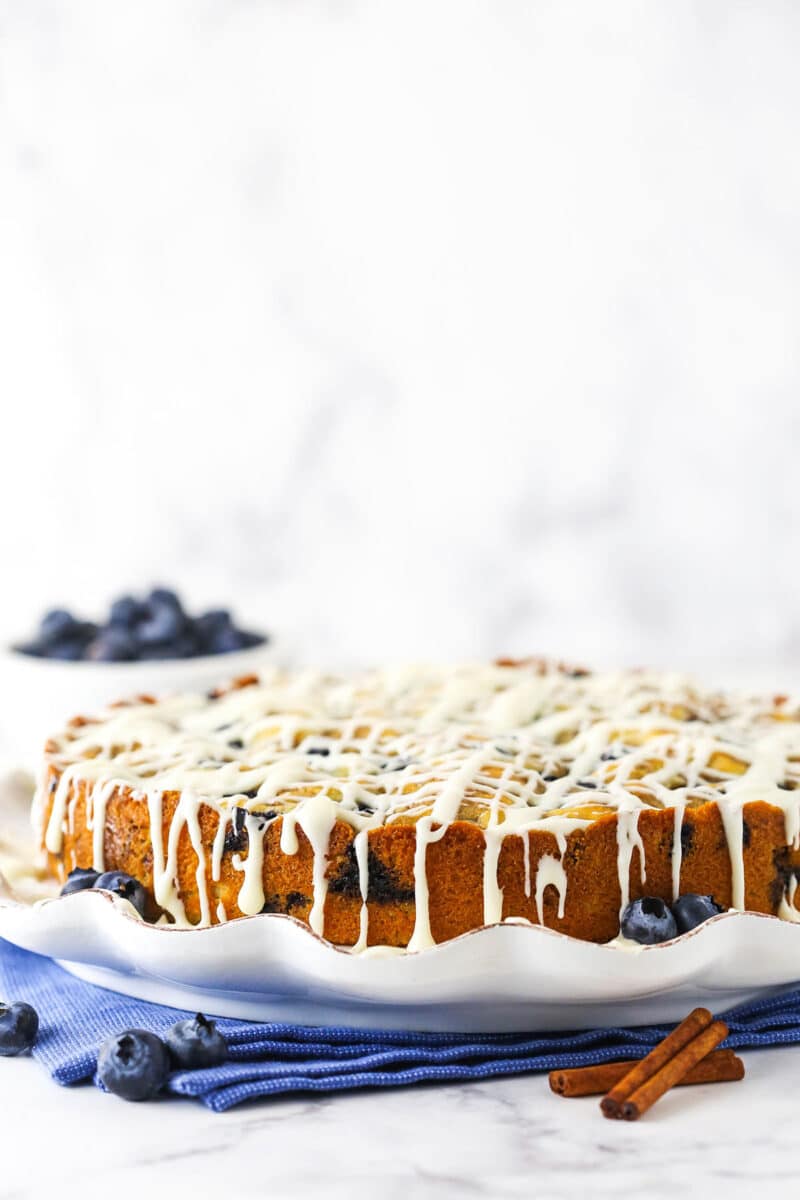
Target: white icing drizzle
pixel 251 893
pixel 526 864
pixel 516 749
pixel 492 892
pixel 628 840
pixel 787 909
pixel 361 849
pixel 550 873
pixel 677 848
pixel 316 819
pixel 98 796
pixel 422 937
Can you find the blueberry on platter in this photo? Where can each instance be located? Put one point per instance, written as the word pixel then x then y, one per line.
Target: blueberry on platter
pixel 79 880
pixel 692 910
pixel 19 1025
pixel 648 921
pixel 133 1064
pixel 194 1043
pixel 651 920
pixel 155 626
pixel 125 886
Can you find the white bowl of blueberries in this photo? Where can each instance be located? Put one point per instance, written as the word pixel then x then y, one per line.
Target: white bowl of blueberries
pixel 148 644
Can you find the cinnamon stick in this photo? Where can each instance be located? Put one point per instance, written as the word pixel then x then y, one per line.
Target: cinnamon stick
pixel 697 1020
pixel 720 1066
pixel 674 1069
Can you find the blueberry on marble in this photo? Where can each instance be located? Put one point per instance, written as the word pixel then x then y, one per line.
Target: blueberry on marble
pixel 79 880
pixel 19 1025
pixel 691 910
pixel 125 886
pixel 648 921
pixel 195 1043
pixel 133 1065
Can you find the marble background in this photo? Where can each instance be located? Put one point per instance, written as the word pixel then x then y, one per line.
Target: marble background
pixel 422 328
pixel 440 327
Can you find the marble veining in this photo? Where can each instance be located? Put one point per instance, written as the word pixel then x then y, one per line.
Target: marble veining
pixel 505 1138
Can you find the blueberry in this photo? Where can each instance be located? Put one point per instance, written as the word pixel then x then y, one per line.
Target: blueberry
pixel 692 910
pixel 164 598
pixel 252 639
pixel 36 649
pixel 56 625
pixel 212 621
pixel 19 1024
pixel 71 645
pixel 69 651
pixel 157 652
pixel 183 646
pixel 226 641
pixel 195 1043
pixel 186 645
pixel 113 645
pixel 163 624
pixel 125 886
pixel 133 1065
pixel 125 612
pixel 648 921
pixel 80 879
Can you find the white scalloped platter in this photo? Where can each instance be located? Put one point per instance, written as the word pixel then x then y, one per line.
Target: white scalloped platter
pixel 511 977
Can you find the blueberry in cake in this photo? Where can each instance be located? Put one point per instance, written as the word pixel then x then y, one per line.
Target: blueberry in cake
pixel 406 807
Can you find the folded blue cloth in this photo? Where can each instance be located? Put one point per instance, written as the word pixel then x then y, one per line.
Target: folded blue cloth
pixel 267 1059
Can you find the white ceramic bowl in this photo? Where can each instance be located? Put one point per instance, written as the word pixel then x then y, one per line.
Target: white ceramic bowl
pixel 37 695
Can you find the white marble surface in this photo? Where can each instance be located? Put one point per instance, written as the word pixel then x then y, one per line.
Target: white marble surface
pixel 505 1138
pixel 422 329
pixel 417 329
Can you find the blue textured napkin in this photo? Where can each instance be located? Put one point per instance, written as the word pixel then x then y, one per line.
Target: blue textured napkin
pixel 267 1059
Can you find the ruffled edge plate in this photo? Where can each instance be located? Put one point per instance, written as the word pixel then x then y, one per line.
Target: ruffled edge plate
pixel 501 978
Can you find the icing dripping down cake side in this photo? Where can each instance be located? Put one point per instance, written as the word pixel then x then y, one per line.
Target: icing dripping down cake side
pixel 403 808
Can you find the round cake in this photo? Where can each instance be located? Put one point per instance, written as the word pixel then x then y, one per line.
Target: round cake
pixel 405 807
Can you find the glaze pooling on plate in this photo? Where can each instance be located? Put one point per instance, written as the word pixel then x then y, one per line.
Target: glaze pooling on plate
pixel 509 748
